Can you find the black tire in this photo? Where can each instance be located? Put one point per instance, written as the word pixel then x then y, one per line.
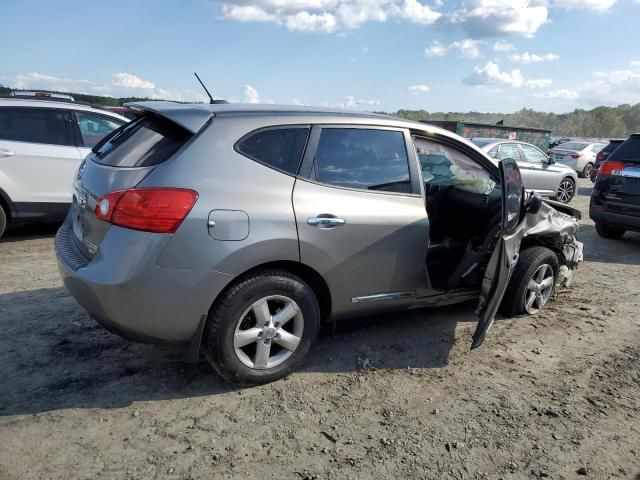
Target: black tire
pixel 531 259
pixel 609 231
pixel 218 335
pixel 3 221
pixel 562 185
pixel 586 171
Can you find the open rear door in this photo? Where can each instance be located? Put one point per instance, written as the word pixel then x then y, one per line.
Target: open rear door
pixel 506 251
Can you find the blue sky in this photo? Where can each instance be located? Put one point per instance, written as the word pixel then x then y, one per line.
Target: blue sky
pixel 462 55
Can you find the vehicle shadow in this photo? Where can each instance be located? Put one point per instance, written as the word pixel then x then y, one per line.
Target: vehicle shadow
pixel 19 233
pixel 586 191
pixel 53 356
pixel 603 250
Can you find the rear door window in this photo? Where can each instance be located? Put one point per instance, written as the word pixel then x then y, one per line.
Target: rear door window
pixel 280 148
pixel 147 141
pixel 509 150
pixel 35 125
pixel 365 159
pixel 94 127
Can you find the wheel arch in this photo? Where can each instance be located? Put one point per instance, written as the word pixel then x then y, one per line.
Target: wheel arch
pixel 550 242
pixel 7 205
pixel 310 276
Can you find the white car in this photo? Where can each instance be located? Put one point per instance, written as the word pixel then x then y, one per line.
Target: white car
pixel 581 156
pixel 42 143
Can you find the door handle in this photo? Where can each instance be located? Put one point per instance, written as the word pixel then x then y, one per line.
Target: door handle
pixel 6 153
pixel 325 222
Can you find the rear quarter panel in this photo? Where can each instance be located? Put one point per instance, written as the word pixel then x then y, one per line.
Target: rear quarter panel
pixel 226 180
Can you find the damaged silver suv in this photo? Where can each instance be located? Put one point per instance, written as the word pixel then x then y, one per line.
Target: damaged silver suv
pixel 236 230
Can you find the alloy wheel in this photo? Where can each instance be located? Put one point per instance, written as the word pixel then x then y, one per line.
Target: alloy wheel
pixel 587 170
pixel 268 332
pixel 539 289
pixel 566 190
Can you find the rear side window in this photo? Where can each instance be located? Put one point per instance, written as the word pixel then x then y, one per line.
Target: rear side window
pixel 147 141
pixel 280 148
pixel 628 151
pixel 533 155
pixel 35 125
pixel 364 159
pixel 94 128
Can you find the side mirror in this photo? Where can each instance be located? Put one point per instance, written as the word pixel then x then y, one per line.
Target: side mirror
pixel 533 203
pixel 550 161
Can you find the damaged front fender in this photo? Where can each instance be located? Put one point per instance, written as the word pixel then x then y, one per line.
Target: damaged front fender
pixel 555 226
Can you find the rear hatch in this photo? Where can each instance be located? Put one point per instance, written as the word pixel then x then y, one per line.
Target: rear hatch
pixel 120 162
pixel 618 183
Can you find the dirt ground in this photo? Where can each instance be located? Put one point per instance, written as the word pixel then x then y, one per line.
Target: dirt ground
pixel 550 396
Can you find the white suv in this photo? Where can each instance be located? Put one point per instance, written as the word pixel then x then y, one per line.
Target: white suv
pixel 42 143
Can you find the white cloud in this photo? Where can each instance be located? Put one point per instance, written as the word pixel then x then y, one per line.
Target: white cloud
pixel 490 74
pixel 482 18
pixel 538 83
pixel 417 89
pixel 120 85
pixel 468 48
pixel 435 50
pixel 246 13
pixel 527 57
pixel 479 18
pixel 129 80
pixel 416 12
pixel 600 5
pixel 612 87
pixel 558 94
pixel 353 103
pixel 327 15
pixel 502 46
pixel 251 95
pixel 311 22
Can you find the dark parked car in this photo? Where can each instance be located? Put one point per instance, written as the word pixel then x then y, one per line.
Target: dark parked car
pixel 615 201
pixel 558 141
pixel 602 156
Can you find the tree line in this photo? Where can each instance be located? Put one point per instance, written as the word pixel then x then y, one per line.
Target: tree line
pixel 600 122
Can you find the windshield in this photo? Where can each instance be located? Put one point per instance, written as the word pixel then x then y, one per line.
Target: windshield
pixel 574 146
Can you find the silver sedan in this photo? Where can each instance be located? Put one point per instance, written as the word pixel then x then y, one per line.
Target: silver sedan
pixel 540 173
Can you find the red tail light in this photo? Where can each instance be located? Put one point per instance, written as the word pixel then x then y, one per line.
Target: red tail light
pixel 575 155
pixel 159 210
pixel 611 168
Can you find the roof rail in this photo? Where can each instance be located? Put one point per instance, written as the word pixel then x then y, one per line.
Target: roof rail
pixel 59 100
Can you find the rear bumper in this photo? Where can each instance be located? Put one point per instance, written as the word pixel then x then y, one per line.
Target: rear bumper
pixel 123 289
pixel 629 222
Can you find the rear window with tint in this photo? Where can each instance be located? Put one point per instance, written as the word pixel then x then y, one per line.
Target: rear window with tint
pixel 611 147
pixel 280 148
pixel 147 141
pixel 34 125
pixel 628 151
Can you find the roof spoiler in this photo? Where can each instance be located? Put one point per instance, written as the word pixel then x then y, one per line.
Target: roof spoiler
pixel 188 116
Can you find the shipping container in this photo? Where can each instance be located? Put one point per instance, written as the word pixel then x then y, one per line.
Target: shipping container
pixel 535 136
